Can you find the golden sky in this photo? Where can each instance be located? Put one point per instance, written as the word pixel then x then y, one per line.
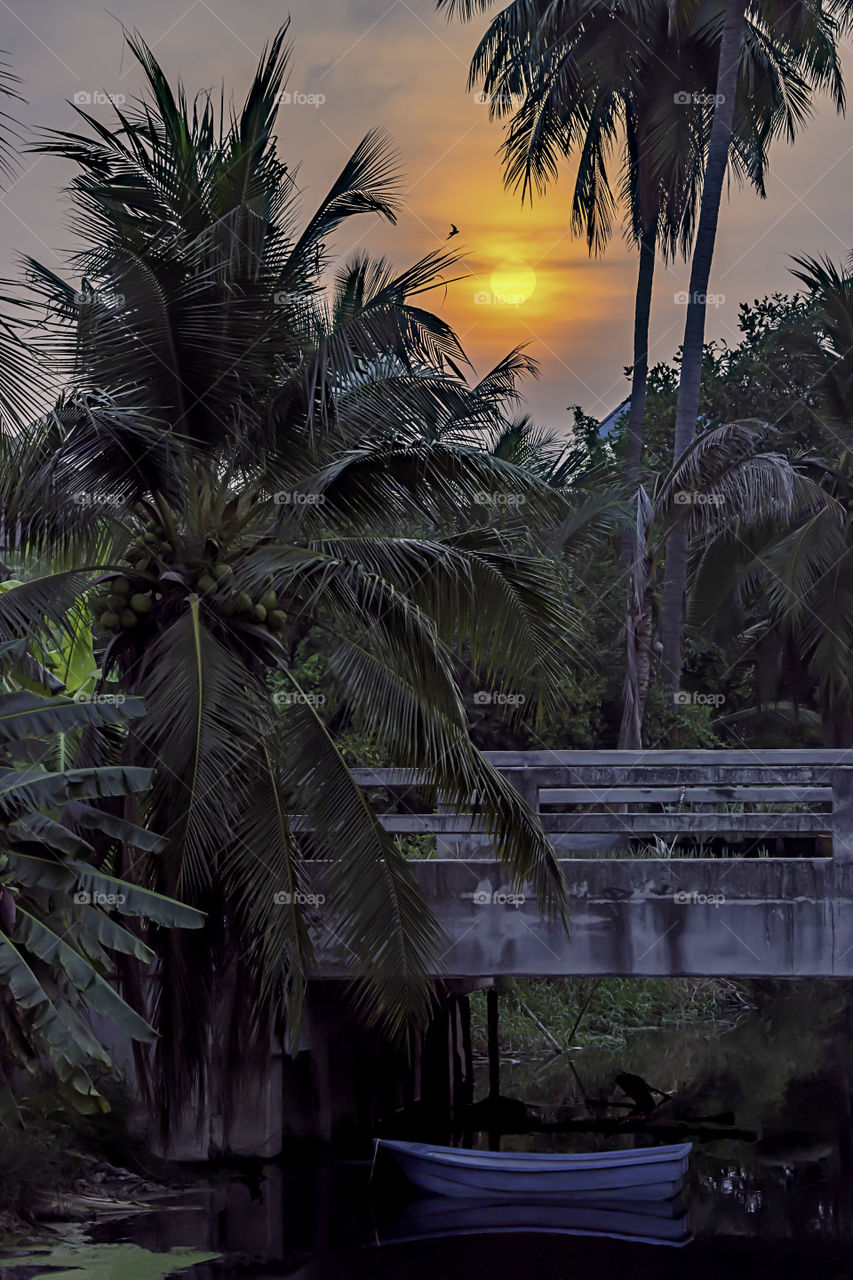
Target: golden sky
pixel 399 65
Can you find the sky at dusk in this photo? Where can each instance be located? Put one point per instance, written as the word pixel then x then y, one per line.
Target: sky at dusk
pixel 399 65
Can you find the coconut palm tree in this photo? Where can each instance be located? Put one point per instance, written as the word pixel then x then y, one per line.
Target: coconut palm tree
pixel 539 63
pixel 809 33
pixel 725 483
pixel 234 457
pixel 17 389
pixel 782 599
pixel 591 78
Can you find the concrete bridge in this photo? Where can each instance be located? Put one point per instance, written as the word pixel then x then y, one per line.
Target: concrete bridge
pixel 778 902
pixel 770 894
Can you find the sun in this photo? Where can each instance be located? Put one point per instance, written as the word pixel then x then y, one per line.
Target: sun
pixel 513 282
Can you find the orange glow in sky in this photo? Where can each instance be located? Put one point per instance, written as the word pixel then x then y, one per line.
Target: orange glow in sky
pixel 398 65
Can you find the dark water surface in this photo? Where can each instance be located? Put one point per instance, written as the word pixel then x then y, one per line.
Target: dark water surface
pixel 775 1200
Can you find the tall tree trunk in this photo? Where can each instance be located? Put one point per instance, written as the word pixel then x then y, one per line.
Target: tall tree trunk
pixel 837 724
pixel 637 622
pixel 687 411
pixel 638 628
pixel 640 374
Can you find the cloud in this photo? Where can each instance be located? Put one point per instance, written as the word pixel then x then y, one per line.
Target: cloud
pixel 404 67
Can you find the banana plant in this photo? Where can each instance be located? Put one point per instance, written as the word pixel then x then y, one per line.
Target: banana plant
pixel 64 915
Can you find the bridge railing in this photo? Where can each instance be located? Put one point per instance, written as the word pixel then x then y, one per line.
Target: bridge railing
pixel 750 803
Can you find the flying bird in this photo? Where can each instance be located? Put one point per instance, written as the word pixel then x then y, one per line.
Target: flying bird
pixel 454 231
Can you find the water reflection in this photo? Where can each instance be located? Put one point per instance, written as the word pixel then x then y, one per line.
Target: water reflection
pixel 658 1222
pixel 775 1189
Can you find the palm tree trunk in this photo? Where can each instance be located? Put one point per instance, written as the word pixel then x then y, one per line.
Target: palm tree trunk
pixel 687 411
pixel 637 626
pixel 837 724
pixel 639 377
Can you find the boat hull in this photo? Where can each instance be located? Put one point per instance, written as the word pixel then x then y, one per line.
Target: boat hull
pixel 654 1173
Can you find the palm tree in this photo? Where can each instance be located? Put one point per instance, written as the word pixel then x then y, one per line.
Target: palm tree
pixel 576 76
pixel 589 75
pixel 808 34
pixel 783 600
pixel 723 486
pixel 234 458
pixel 18 391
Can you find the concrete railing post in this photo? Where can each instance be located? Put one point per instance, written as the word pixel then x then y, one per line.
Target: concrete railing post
pixel 526 782
pixel 842 814
pixel 445 847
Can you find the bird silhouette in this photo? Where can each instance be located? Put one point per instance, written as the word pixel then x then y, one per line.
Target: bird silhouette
pixel 454 231
pixel 640 1092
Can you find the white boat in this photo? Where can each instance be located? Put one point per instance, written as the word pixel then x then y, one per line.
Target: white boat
pixel 643 1173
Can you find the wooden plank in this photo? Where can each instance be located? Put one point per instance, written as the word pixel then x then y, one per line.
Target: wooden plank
pixel 784 794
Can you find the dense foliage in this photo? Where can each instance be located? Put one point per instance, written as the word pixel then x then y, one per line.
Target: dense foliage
pixel 60 896
pixel 236 464
pixel 272 506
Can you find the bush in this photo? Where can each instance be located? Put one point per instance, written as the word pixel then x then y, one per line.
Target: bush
pixel 57 1145
pixel 617 1007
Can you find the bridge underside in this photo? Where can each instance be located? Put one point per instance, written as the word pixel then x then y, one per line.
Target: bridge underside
pixel 767 917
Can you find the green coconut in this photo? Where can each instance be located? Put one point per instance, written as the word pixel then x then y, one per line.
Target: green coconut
pixel 127 618
pixel 276 619
pixel 99 605
pixel 120 585
pixel 206 583
pixel 141 603
pixel 150 538
pixel 244 603
pixel 109 619
pixel 222 571
pixel 260 613
pixel 270 600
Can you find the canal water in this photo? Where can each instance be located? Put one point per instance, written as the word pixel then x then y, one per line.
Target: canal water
pixel 766 1102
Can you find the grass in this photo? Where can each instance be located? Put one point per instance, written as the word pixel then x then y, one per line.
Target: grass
pixel 680 847
pixel 57 1146
pixel 617 1007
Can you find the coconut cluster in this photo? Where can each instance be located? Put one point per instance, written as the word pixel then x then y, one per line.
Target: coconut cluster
pixel 124 607
pixel 132 598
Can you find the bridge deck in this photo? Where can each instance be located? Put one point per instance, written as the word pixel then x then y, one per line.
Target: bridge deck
pixel 750 914
pixel 769 917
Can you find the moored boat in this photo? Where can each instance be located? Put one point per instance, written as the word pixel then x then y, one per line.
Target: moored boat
pixel 643 1173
